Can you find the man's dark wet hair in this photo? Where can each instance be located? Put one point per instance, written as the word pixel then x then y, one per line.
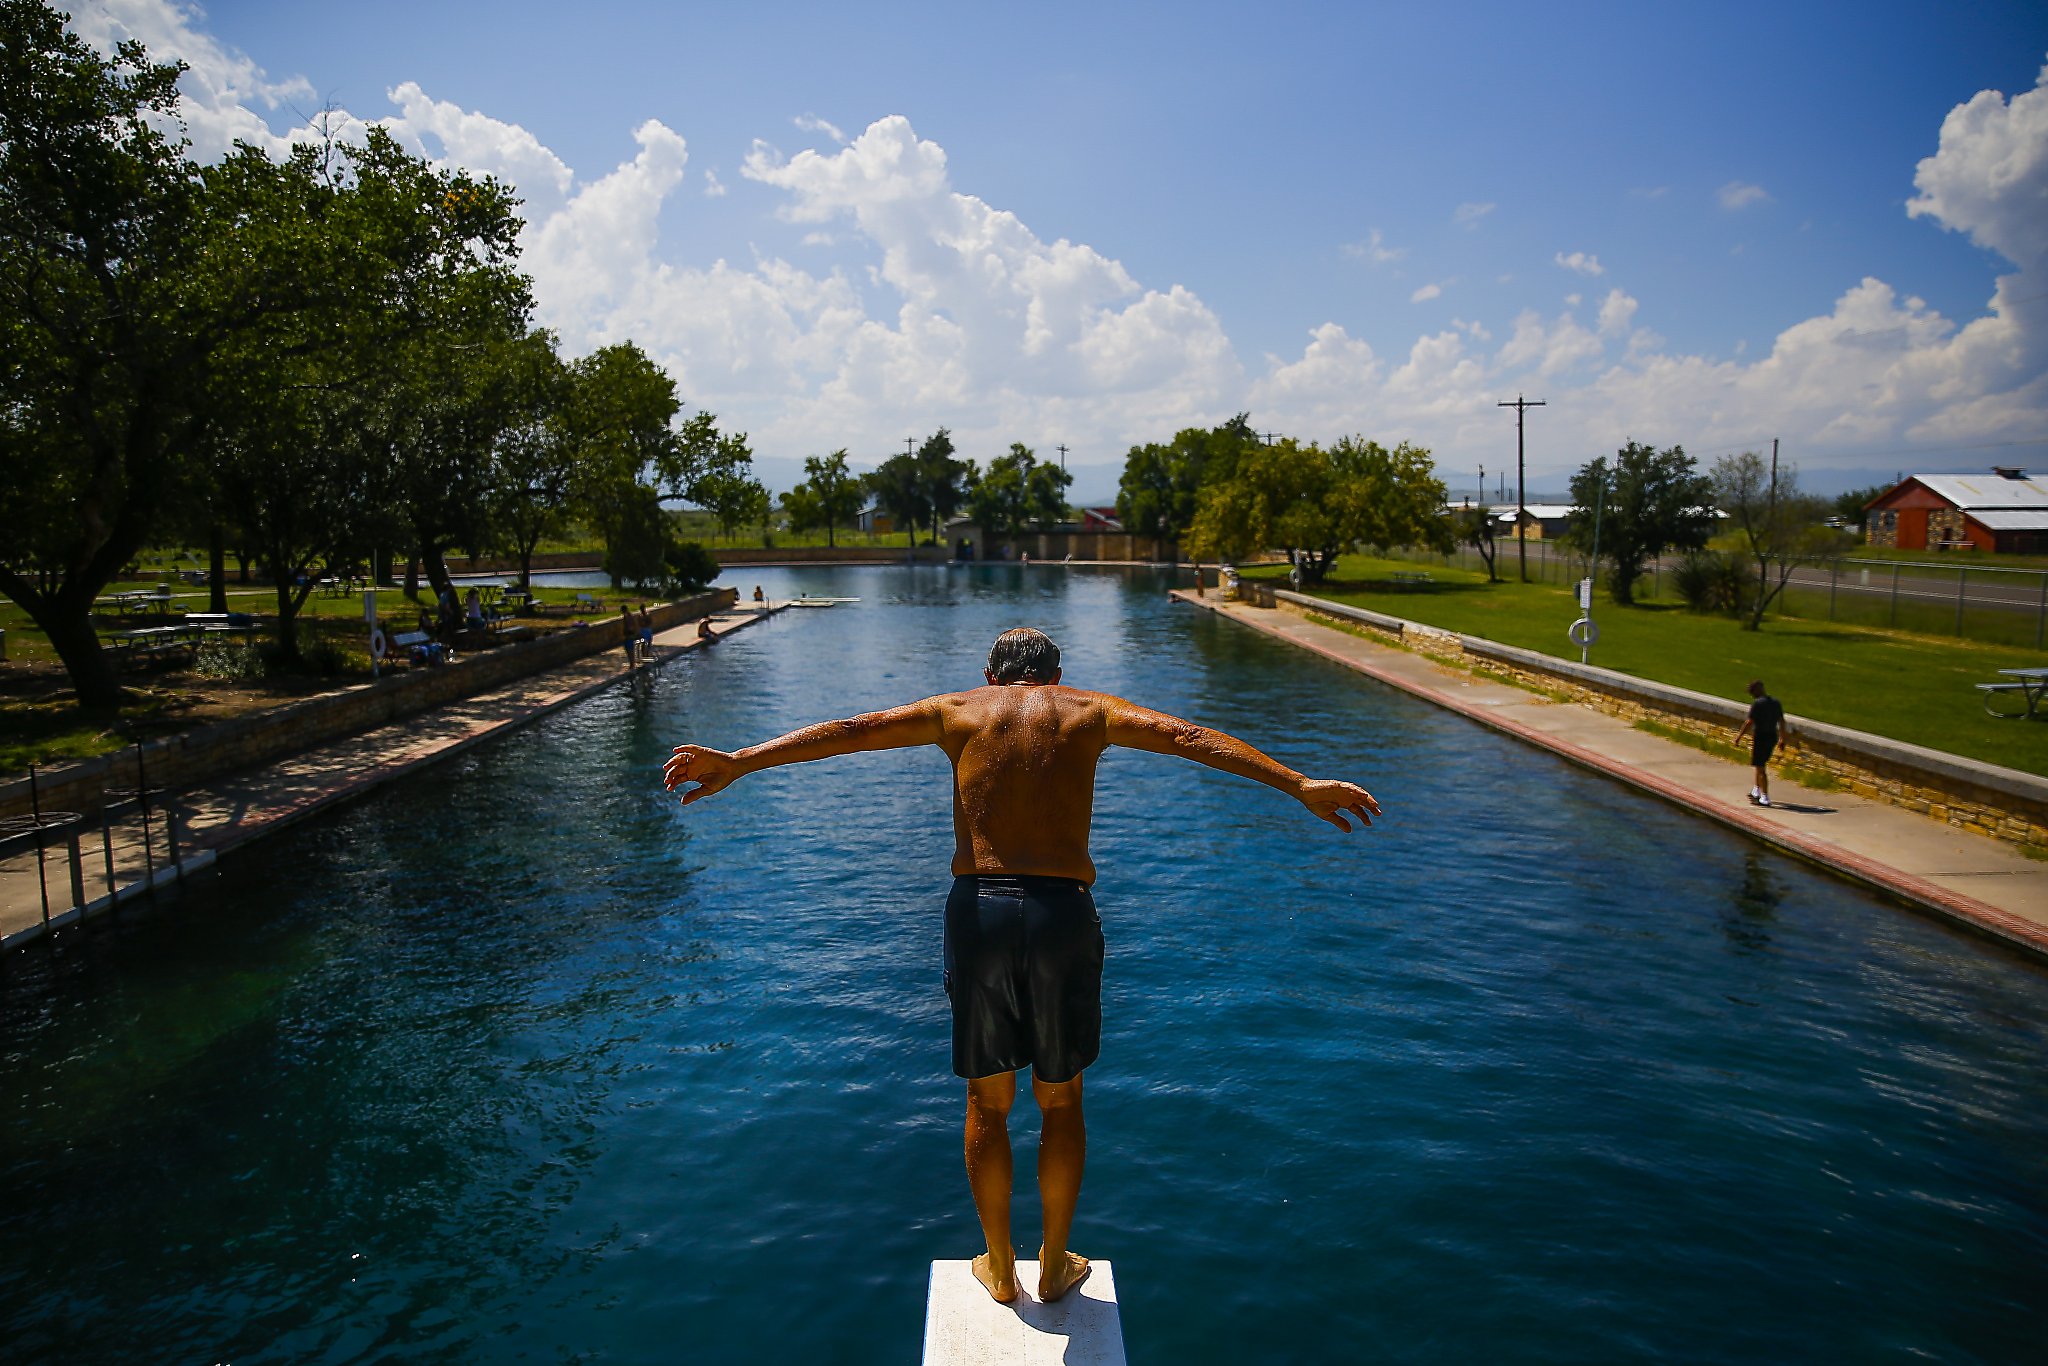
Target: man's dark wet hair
pixel 1756 687
pixel 1022 655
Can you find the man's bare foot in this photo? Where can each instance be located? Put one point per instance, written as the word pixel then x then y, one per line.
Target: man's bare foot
pixel 1055 1281
pixel 1001 1287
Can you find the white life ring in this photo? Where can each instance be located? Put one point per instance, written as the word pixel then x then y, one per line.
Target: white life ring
pixel 380 644
pixel 1583 632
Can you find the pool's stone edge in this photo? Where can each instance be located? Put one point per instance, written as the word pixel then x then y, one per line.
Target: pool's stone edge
pixel 1917 892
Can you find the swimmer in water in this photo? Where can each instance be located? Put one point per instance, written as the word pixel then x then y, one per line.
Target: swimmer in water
pixel 1023 942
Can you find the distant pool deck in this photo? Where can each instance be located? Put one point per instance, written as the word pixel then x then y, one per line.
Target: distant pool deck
pixel 1971 880
pixel 223 815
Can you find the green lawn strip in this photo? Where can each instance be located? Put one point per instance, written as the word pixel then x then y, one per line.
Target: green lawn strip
pixel 334 641
pixel 1913 688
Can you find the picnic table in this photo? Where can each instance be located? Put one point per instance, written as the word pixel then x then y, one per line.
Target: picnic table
pixel 155 640
pixel 1409 579
pixel 2019 698
pixel 129 600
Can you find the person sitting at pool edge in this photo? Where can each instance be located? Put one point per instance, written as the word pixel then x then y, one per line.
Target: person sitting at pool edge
pixel 1023 943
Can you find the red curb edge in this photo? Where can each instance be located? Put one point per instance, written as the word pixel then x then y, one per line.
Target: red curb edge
pixel 1966 911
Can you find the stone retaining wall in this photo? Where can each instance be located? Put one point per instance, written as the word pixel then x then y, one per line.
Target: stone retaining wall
pixel 2001 802
pixel 179 761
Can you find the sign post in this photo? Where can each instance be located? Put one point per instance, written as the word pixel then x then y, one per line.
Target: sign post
pixel 378 645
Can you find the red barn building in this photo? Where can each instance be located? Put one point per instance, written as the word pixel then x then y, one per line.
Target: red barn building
pixel 2003 511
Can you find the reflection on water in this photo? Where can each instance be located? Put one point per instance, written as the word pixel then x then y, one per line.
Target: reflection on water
pixel 517 1061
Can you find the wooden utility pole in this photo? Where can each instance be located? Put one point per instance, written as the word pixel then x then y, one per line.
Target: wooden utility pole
pixel 1063 457
pixel 1521 406
pixel 910 445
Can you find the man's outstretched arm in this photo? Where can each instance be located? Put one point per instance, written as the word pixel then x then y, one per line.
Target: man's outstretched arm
pixel 1136 727
pixel 714 769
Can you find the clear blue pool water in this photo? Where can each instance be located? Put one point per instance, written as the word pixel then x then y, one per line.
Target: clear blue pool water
pixel 517 1062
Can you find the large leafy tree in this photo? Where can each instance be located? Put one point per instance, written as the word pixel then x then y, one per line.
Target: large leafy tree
pixel 1161 485
pixel 1315 503
pixel 727 488
pixel 367 412
pixel 1015 492
pixel 1646 502
pixel 618 423
pixel 829 495
pixel 899 492
pixel 942 480
pixel 112 301
pixel 537 454
pixel 1780 527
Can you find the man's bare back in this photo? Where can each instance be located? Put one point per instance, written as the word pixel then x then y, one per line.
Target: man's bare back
pixel 1024 751
pixel 1024 757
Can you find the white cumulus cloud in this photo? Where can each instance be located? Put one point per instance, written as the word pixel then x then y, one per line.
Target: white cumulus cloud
pixel 1374 249
pixel 1737 194
pixel 934 305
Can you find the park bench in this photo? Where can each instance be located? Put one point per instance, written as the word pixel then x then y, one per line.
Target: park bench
pixel 419 648
pixel 1408 580
pixel 585 602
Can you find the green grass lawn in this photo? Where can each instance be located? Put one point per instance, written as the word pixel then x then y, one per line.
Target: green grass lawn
pixel 39 724
pixel 1910 687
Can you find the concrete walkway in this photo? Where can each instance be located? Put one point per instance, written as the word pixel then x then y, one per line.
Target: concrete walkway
pixel 1978 882
pixel 234 810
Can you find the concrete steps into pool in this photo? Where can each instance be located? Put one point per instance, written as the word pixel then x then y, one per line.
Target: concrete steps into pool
pixel 1969 879
pixel 228 813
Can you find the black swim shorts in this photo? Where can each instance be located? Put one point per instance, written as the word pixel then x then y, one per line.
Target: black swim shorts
pixel 1024 971
pixel 1760 748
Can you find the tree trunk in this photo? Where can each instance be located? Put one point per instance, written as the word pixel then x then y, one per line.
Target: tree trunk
pixel 526 564
pixel 216 572
pixel 78 645
pixel 244 559
pixel 412 577
pixel 437 570
pixel 287 611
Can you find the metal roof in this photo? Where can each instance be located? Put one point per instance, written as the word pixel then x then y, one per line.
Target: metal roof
pixel 1971 491
pixel 2010 521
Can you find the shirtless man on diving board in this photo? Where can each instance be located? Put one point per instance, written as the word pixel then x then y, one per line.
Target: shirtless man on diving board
pixel 1023 942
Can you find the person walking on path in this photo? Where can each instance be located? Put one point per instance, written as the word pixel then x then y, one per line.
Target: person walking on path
pixel 1023 942
pixel 1767 717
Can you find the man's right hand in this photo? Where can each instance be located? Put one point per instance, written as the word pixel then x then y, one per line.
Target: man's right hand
pixel 711 769
pixel 1332 801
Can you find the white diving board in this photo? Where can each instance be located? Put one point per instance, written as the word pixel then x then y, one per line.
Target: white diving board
pixel 964 1327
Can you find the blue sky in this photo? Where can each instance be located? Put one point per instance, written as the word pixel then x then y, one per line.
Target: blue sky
pixel 1095 224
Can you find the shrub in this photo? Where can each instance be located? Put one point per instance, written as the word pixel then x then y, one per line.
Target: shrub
pixel 1710 581
pixel 691 567
pixel 228 661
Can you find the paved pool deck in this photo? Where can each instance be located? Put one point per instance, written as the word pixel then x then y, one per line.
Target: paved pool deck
pixel 1977 882
pixel 240 808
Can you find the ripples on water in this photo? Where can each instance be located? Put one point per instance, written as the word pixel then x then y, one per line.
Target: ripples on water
pixel 515 1061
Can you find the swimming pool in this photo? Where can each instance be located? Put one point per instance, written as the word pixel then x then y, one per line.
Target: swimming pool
pixel 516 1061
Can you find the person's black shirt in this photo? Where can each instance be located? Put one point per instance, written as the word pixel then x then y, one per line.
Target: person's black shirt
pixel 1766 714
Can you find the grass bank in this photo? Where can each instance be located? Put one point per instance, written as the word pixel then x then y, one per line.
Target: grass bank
pixel 40 724
pixel 1908 687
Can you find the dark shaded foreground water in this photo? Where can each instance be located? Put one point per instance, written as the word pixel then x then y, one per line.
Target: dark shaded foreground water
pixel 518 1062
